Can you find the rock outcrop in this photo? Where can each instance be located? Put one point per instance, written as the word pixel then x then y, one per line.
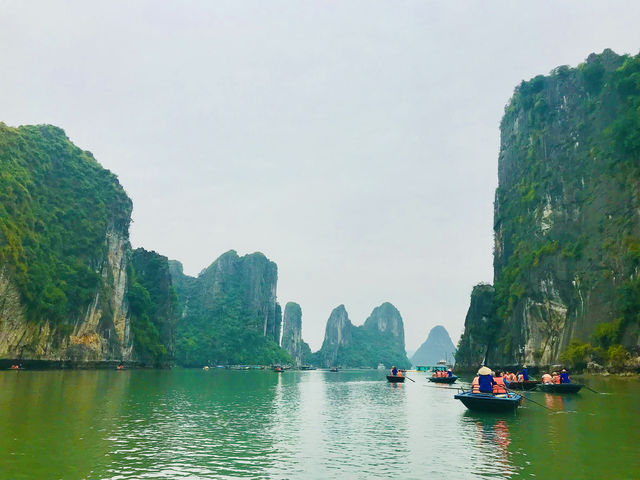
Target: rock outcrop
pixel 154 315
pixel 438 346
pixel 64 252
pixel 292 341
pixel 229 312
pixel 567 217
pixel 379 340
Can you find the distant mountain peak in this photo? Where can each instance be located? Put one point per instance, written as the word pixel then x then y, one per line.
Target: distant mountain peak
pixel 438 346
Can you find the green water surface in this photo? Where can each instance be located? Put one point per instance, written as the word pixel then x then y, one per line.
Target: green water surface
pixel 194 424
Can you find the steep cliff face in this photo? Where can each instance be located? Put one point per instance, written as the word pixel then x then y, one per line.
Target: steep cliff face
pixel 65 256
pixel 229 312
pixel 64 251
pixel 292 341
pixel 567 214
pixel 153 306
pixel 379 340
pixel 479 326
pixel 438 346
pixel 337 336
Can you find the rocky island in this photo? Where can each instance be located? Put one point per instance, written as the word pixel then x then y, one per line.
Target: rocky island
pixel 566 223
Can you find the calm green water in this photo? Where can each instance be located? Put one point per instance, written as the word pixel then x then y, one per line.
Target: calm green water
pixel 192 424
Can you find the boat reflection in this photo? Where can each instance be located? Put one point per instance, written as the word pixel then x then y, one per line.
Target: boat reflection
pixel 491 441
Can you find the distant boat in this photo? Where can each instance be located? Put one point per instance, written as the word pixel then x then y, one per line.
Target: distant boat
pixel 334 369
pixel 524 385
pixel 381 366
pixel 307 367
pixel 486 402
pixel 560 387
pixel 278 369
pixel 448 380
pixel 395 379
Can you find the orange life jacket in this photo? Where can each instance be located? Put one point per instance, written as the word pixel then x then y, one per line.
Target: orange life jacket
pixel 475 385
pixel 556 379
pixel 499 387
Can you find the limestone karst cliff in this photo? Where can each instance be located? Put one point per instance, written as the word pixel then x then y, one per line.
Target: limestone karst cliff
pixel 64 252
pixel 438 346
pixel 567 219
pixel 292 341
pixel 229 312
pixel 379 340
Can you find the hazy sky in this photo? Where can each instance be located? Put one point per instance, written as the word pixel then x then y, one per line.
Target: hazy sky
pixel 354 143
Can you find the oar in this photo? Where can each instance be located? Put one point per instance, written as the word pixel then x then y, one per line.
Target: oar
pixel 410 379
pixel 532 401
pixel 588 388
pixel 444 388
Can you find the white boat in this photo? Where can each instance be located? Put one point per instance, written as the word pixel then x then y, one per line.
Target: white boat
pixel 381 367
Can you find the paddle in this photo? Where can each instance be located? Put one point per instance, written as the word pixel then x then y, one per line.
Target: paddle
pixel 443 388
pixel 532 401
pixel 591 389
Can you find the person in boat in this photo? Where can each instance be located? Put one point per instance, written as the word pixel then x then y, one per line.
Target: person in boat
pixel 499 385
pixel 511 377
pixel 525 373
pixel 449 373
pixel 564 377
pixel 400 373
pixel 555 378
pixel 394 371
pixel 546 378
pixel 475 385
pixel 485 380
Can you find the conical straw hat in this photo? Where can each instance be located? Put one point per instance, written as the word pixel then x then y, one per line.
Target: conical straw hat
pixel 484 371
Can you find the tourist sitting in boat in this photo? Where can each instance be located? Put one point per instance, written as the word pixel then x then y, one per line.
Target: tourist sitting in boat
pixel 485 380
pixel 564 377
pixel 511 377
pixel 499 386
pixel 546 378
pixel 525 373
pixel 555 378
pixel 394 371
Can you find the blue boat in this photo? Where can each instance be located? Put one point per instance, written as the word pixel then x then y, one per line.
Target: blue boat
pixel 486 402
pixel 560 387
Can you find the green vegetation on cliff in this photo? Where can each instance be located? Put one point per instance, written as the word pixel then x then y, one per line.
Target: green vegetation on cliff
pixel 567 232
pixel 229 313
pixel 153 306
pixel 379 340
pixel 56 206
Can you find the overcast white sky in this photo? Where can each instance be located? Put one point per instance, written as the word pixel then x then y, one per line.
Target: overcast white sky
pixel 354 143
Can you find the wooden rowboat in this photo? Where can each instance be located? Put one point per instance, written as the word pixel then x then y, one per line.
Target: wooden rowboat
pixel 560 387
pixel 486 402
pixel 524 385
pixel 448 380
pixel 395 379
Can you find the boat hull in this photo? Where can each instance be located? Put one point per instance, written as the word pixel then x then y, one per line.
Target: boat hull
pixel 447 380
pixel 560 387
pixel 393 379
pixel 479 402
pixel 525 385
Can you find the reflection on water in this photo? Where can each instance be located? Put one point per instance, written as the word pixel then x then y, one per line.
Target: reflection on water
pixel 301 425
